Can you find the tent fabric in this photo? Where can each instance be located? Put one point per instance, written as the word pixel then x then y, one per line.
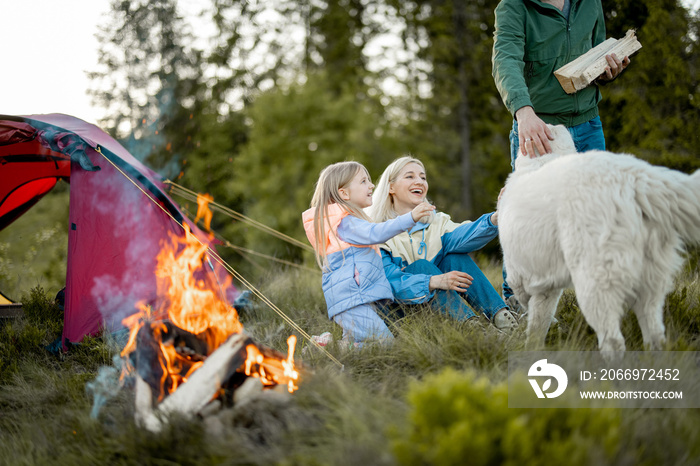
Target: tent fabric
pixel 114 230
pixel 30 168
pixel 4 299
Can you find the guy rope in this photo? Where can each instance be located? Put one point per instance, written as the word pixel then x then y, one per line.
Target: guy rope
pixel 190 195
pixel 230 269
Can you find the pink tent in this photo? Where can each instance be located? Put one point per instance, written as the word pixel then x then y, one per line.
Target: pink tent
pixel 119 214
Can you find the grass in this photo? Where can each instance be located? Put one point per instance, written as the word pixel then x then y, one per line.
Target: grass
pixel 435 396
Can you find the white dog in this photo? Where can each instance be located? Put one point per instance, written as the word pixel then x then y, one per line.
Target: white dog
pixel 611 225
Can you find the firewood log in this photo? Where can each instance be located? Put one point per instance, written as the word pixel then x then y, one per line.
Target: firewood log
pixel 582 71
pixel 221 370
pixel 207 380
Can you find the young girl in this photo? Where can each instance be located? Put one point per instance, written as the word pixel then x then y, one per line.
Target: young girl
pixel 345 240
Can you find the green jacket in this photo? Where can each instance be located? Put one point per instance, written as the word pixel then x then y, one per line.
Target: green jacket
pixel 531 40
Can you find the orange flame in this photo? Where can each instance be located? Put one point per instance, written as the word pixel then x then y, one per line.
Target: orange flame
pixel 273 371
pixel 289 371
pixel 203 210
pixel 192 303
pixel 190 299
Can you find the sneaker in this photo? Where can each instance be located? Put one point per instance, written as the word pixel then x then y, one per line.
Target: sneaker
pixel 323 339
pixel 473 321
pixel 519 311
pixel 505 320
pixel 476 325
pixel 515 307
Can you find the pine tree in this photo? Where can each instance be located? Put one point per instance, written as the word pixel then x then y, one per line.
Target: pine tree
pixel 653 109
pixel 459 127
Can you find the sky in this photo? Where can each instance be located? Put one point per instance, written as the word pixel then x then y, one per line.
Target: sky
pixel 53 46
pixel 49 47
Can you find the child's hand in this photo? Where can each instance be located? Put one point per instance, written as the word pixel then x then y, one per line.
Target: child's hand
pixel 421 210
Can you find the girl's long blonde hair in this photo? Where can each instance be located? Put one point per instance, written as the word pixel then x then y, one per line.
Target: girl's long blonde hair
pixel 331 179
pixel 382 208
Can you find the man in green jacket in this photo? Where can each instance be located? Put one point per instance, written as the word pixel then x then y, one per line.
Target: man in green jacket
pixel 532 38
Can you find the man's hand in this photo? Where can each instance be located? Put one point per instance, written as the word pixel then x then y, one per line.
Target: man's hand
pixel 533 133
pixel 614 68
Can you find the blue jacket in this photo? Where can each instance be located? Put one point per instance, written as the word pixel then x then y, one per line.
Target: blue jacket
pixel 431 242
pixel 354 273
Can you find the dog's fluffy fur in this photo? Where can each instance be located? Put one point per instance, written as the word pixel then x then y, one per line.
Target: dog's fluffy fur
pixel 611 225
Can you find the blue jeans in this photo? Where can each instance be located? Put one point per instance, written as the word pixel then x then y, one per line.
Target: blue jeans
pixel 362 322
pixel 587 136
pixel 481 295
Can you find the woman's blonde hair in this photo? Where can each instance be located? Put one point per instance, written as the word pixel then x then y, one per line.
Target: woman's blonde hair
pixel 382 208
pixel 333 178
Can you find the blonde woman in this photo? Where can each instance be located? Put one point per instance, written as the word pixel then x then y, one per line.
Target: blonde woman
pixel 429 262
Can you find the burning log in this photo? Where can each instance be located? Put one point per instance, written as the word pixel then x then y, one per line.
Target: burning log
pixel 143 406
pixel 200 389
pixel 162 355
pixel 208 380
pixel 239 355
pixel 248 389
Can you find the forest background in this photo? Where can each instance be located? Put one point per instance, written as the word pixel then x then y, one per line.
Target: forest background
pixel 250 101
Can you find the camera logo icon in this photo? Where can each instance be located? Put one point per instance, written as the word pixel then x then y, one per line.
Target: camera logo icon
pixel 542 369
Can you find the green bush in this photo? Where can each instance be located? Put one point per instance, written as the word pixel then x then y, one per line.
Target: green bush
pixel 458 418
pixel 40 309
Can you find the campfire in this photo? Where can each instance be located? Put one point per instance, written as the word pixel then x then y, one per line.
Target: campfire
pixel 188 349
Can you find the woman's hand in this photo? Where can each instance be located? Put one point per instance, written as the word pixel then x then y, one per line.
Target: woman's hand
pixel 455 280
pixel 494 216
pixel 421 210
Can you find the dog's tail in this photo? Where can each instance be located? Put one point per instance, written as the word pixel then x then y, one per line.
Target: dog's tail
pixel 673 198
